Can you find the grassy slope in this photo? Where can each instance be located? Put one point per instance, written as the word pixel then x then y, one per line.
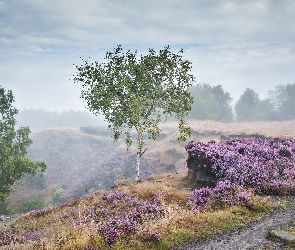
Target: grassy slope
pixel 78 161
pixel 176 226
pixel 179 224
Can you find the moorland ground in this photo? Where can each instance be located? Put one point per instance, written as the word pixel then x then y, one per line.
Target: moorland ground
pixel 177 225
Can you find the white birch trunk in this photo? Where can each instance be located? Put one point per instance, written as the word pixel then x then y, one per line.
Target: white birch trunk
pixel 137 167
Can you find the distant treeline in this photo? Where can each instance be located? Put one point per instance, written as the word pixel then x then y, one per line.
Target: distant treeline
pixel 279 105
pixel 210 103
pixel 40 119
pixel 213 103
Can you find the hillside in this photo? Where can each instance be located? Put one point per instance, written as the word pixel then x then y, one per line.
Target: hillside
pixel 152 214
pixel 161 212
pixel 87 159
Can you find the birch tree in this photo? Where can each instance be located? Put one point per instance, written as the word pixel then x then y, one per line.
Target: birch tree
pixel 135 91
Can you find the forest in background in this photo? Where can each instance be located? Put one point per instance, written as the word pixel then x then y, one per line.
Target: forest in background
pixel 213 103
pixel 210 103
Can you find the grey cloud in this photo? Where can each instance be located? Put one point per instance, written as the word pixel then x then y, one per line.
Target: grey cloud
pixel 257 66
pixel 100 23
pixel 234 43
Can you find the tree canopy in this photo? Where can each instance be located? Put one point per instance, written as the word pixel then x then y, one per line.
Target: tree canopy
pixel 205 106
pixel 247 106
pixel 286 109
pixel 14 162
pixel 134 91
pixel 210 103
pixel 279 105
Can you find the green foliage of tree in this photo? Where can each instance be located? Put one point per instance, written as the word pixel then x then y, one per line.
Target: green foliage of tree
pixel 280 105
pixel 223 100
pixel 278 96
pixel 287 108
pixel 33 204
pixel 283 100
pixel 205 106
pixel 14 162
pixel 57 194
pixel 210 103
pixel 247 106
pixel 250 108
pixel 266 111
pixel 133 91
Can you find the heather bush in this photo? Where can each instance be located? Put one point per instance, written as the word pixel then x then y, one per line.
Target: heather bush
pixel 119 214
pixel 265 165
pixel 200 198
pixel 48 210
pixel 40 212
pixel 227 193
pixel 115 215
pixel 7 237
pixel 128 218
pixel 224 194
pixel 92 248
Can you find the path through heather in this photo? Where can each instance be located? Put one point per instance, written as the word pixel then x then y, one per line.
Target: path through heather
pixel 252 236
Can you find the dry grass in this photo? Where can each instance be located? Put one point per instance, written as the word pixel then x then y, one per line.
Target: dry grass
pixel 176 226
pixel 283 129
pixel 176 187
pixel 68 150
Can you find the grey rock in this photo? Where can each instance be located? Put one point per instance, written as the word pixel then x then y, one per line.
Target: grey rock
pixel 284 236
pixel 201 175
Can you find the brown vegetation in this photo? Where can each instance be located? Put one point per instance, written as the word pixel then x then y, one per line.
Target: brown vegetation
pixel 178 225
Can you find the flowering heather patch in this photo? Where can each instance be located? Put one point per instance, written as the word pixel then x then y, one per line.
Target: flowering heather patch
pixel 225 193
pixel 121 225
pixel 156 236
pixel 47 210
pixel 121 214
pixel 40 212
pixel 33 236
pixel 228 193
pixel 200 198
pixel 7 237
pixel 132 217
pixel 265 165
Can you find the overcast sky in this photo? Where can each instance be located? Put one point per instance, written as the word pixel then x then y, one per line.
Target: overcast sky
pixel 237 44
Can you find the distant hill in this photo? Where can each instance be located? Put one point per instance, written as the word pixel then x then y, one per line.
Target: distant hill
pixel 41 119
pixel 83 160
